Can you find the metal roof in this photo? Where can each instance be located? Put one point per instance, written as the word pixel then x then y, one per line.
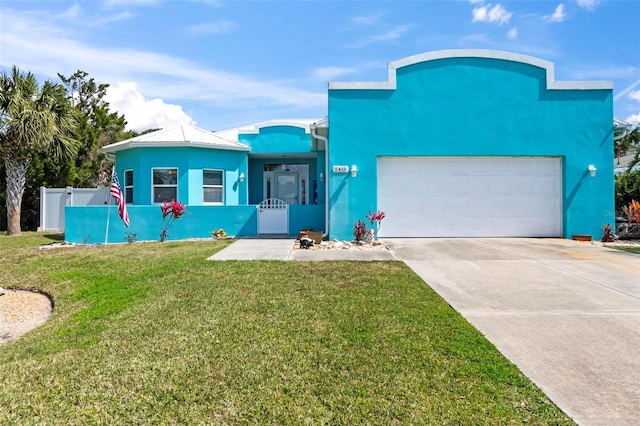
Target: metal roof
pixel 179 136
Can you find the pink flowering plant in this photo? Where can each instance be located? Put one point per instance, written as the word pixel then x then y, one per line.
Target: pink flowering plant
pixel 375 219
pixel 170 212
pixel 360 231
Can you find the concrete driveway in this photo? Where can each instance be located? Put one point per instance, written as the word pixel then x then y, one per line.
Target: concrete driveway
pixel 566 313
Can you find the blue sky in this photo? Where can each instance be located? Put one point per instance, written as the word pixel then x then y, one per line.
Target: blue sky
pixel 221 64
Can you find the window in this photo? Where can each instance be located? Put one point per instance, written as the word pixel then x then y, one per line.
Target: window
pixel 212 187
pixel 128 186
pixel 165 185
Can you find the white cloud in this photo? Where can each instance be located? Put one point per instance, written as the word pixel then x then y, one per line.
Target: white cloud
pixel 111 3
pixel 476 1
pixel 371 19
pixel 329 73
pixel 635 95
pixel 558 14
pixel 624 92
pixel 633 119
pixel 109 19
pixel 72 12
pixel 37 44
pixel 142 114
pixel 588 4
pixel 513 33
pixel 390 35
pixel 208 28
pixel 490 13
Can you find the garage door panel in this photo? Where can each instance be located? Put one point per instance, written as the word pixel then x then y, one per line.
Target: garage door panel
pixel 470 196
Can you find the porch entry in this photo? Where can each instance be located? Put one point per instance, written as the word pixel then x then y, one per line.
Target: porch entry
pixel 287 182
pixel 273 216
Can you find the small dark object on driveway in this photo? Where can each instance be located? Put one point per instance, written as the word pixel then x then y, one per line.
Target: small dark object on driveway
pixel 305 243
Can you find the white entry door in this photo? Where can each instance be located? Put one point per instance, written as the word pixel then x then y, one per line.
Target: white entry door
pixel 470 196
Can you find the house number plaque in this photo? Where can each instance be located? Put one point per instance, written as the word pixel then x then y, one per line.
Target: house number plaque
pixel 340 169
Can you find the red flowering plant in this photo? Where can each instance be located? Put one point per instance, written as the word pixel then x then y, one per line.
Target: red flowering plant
pixel 359 230
pixel 375 219
pixel 170 212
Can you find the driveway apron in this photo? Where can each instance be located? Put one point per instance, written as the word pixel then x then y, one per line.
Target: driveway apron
pixel 566 313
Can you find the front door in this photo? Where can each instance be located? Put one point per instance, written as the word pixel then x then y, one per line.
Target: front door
pixel 287 187
pixel 288 182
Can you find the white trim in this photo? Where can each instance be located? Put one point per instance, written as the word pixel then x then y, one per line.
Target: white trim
pixel 209 203
pixel 393 66
pixel 153 186
pixel 321 123
pixel 255 128
pixel 120 146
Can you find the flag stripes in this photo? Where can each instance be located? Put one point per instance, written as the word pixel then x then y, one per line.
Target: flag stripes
pixel 116 192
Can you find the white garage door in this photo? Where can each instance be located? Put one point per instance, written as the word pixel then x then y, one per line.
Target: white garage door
pixel 470 196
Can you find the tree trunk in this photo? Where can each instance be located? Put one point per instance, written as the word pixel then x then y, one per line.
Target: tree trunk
pixel 16 170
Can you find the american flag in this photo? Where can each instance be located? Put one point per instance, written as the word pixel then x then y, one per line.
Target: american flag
pixel 118 195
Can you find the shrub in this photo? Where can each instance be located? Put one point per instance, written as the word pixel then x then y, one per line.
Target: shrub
pixel 359 230
pixel 170 212
pixel 219 234
pixel 627 187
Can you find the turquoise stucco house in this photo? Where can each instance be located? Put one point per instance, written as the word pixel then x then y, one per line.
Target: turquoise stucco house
pixel 455 143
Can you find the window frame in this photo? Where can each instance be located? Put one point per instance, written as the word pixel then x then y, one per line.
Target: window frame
pixel 221 186
pixel 128 186
pixel 155 186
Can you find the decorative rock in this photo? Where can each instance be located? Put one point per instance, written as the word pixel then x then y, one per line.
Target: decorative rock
pixel 342 245
pixel 2 292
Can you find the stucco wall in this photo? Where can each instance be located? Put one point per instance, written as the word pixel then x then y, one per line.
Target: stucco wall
pixel 189 161
pixel 88 224
pixel 479 107
pixel 277 139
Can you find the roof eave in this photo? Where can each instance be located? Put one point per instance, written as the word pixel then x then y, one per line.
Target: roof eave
pixel 144 144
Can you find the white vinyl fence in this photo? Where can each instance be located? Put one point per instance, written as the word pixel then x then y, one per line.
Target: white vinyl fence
pixel 54 200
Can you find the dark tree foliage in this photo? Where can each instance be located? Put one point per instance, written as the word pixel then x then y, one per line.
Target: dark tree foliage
pixel 627 188
pixel 629 144
pixel 96 127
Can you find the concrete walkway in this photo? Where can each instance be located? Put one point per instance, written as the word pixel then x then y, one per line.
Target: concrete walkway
pixel 282 249
pixel 566 313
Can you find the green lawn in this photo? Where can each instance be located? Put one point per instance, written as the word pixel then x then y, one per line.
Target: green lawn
pixel 635 250
pixel 154 333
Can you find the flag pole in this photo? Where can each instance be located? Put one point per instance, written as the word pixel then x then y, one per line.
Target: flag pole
pixel 106 232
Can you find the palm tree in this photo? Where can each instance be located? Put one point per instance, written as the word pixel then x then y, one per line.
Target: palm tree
pixel 31 118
